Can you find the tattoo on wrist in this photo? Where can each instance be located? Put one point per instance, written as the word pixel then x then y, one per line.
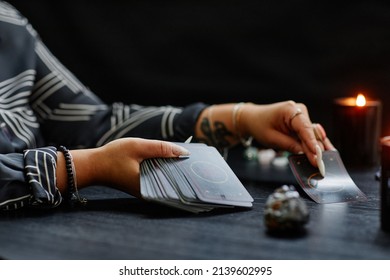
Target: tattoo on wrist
pixel 215 134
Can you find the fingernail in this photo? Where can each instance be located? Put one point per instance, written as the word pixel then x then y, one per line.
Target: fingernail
pixel 180 151
pixel 320 162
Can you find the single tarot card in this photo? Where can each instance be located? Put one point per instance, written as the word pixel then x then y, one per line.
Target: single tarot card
pixel 211 178
pixel 336 186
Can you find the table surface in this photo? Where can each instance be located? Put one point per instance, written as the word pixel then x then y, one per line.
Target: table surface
pixel 115 225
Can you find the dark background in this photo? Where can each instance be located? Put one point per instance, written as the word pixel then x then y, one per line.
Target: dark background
pixel 178 52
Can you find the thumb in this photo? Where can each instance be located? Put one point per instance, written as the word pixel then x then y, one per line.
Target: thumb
pixel 157 148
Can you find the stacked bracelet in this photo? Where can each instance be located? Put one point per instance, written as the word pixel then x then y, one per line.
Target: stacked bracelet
pixel 72 194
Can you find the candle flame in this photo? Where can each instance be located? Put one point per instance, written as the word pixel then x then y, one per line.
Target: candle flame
pixel 360 100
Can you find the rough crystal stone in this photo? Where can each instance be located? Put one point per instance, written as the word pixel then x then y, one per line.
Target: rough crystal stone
pixel 285 210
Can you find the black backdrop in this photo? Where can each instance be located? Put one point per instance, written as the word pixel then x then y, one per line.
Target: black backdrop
pixel 178 52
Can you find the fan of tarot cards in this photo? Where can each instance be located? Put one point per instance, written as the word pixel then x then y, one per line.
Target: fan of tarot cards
pixel 198 183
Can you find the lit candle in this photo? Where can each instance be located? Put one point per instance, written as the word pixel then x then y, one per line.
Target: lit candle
pixel 357 124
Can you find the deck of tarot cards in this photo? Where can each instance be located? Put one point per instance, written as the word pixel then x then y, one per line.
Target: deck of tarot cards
pixel 201 182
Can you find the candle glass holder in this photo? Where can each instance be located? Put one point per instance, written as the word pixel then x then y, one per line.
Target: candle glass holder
pixel 357 131
pixel 384 185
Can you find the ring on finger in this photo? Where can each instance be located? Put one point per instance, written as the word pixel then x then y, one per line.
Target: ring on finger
pixel 295 114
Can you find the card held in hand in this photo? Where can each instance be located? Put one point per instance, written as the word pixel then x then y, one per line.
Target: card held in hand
pixel 336 186
pixel 201 182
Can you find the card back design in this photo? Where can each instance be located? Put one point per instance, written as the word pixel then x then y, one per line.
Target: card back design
pixel 336 186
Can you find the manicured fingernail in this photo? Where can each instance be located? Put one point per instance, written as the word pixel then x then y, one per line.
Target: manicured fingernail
pixel 320 162
pixel 180 151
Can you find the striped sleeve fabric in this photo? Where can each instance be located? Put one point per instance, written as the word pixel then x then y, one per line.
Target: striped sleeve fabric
pixel 42 104
pixel 68 111
pixel 60 110
pixel 28 179
pixel 40 170
pixel 14 191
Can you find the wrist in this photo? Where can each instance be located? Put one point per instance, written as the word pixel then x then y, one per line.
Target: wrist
pixel 85 170
pixel 241 121
pixel 87 166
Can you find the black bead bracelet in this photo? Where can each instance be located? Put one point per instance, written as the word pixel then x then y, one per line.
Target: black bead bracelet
pixel 72 194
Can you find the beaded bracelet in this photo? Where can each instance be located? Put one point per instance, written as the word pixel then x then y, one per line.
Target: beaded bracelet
pixel 72 194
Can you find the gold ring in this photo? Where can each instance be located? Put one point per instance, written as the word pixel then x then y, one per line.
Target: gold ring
pixel 296 113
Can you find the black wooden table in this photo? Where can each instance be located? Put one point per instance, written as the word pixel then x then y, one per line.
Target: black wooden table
pixel 115 225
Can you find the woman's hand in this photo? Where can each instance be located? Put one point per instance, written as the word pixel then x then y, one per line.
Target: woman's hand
pixel 116 164
pixel 284 125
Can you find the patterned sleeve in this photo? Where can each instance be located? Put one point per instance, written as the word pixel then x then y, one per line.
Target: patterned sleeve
pixel 70 114
pixel 45 105
pixel 28 179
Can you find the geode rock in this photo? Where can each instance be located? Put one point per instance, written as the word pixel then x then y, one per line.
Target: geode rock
pixel 285 210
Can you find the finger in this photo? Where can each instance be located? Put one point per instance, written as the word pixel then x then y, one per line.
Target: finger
pixel 293 145
pixel 285 142
pixel 320 135
pixel 296 110
pixel 328 145
pixel 303 128
pixel 322 138
pixel 157 148
pixel 301 125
